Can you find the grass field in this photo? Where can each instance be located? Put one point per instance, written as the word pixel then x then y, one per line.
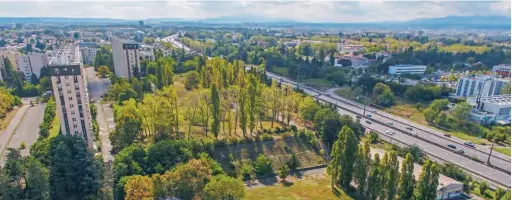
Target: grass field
pixel 503 150
pixel 317 83
pixel 283 71
pixel 5 121
pixel 54 131
pixel 278 151
pixel 310 188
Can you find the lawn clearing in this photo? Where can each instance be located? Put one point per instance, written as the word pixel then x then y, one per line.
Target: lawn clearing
pixel 283 71
pixel 7 119
pixel 503 150
pixel 317 83
pixel 308 188
pixel 278 151
pixel 54 131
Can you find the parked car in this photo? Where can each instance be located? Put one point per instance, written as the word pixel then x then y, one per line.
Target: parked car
pixel 469 144
pixel 447 135
pixel 452 146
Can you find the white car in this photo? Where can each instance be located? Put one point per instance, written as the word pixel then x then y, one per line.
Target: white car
pixel 390 132
pixel 390 123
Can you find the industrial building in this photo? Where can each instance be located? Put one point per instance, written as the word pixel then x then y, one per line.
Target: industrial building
pixel 490 109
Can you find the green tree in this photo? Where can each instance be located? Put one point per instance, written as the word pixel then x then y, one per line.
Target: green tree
pixel 222 187
pixel 386 99
pixel 482 187
pixel 139 187
pixel 262 165
pixel 74 172
pixel 380 88
pixel 341 167
pixel 103 71
pixel 426 188
pixel 214 93
pixel 391 176
pixel 373 137
pixel 128 125
pixel 499 193
pixel 373 186
pixel 406 181
pixel 362 166
pixel 192 80
pixel 294 162
pixel 242 110
pixel 461 112
pixel 283 172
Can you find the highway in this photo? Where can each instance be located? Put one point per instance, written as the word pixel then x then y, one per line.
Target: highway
pixel 431 141
pixel 432 145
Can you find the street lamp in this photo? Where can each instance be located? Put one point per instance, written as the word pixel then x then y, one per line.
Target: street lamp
pixel 489 158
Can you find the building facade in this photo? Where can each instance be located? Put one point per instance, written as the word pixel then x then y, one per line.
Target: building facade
pixel 490 109
pixel 501 70
pixel 70 91
pixel 406 69
pixel 31 64
pixel 88 51
pixel 471 86
pixel 126 57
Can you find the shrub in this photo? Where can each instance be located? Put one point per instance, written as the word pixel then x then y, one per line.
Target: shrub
pixel 293 128
pixel 23 145
pixel 277 130
pixel 482 187
pixel 246 171
pixel 262 165
pixel 373 137
pixel 294 162
pixel 266 136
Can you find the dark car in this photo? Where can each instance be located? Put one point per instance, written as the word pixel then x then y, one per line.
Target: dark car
pixel 368 122
pixel 460 151
pixel 447 135
pixel 409 128
pixel 469 144
pixel 452 146
pixel 358 117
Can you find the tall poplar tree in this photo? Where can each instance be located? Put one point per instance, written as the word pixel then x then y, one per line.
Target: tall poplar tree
pixel 406 183
pixel 344 151
pixel 215 110
pixel 427 184
pixel 362 166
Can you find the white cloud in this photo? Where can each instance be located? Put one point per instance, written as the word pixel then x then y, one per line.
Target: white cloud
pixel 311 11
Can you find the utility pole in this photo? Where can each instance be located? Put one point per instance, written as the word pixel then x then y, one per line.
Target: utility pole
pixel 489 158
pixel 365 103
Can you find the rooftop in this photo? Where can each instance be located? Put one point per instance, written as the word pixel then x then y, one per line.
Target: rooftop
pixel 407 65
pixel 124 41
pixel 497 99
pixel 67 55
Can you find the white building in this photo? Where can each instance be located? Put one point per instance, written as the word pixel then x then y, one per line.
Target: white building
pixel 88 50
pixel 490 109
pixel 471 86
pixel 126 56
pixel 350 48
pixel 71 95
pixel 31 64
pixel 407 69
pixel 501 70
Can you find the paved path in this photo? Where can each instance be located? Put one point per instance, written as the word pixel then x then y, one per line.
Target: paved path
pixel 7 134
pixel 28 129
pixel 106 146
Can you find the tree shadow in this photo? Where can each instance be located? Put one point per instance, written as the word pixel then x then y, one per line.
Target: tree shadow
pixel 270 180
pixel 287 183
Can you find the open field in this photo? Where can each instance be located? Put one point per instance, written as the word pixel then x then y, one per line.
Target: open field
pixel 54 131
pixel 7 119
pixel 278 151
pixel 503 150
pixel 309 188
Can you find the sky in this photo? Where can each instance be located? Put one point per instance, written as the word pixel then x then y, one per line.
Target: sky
pixel 304 11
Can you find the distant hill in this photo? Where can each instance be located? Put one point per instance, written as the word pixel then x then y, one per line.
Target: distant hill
pixel 477 22
pixel 457 22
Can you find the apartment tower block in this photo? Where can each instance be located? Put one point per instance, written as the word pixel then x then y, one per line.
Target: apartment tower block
pixel 70 91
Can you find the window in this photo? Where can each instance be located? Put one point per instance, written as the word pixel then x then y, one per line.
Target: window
pixel 71 105
pixel 69 91
pixel 74 119
pixel 72 112
pixel 74 126
pixel 70 98
pixel 67 84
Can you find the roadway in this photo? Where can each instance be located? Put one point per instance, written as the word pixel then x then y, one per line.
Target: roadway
pixel 430 144
pixel 97 87
pixel 431 141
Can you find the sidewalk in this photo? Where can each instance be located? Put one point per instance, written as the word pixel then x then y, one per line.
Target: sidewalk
pixel 6 136
pixel 105 130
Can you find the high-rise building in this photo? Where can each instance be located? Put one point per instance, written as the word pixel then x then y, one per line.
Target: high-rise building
pixel 472 86
pixel 125 54
pixel 88 51
pixel 141 23
pixel 2 68
pixel 31 64
pixel 70 90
